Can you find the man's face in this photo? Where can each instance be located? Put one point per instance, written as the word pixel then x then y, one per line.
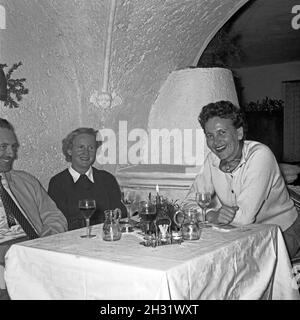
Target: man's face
pixel 222 138
pixel 83 152
pixel 8 149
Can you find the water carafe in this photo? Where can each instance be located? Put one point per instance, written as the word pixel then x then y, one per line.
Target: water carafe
pixel 111 227
pixel 187 221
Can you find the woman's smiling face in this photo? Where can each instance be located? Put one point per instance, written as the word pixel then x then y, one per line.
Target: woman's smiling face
pixel 83 152
pixel 223 138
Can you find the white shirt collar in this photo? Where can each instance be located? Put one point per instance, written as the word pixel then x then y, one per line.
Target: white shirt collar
pixel 216 160
pixel 75 175
pixel 4 180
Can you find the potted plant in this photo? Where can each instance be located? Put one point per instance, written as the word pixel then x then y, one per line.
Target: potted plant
pixel 170 207
pixel 268 105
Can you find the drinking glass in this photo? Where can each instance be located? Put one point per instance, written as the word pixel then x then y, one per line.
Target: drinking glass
pixel 87 207
pixel 203 199
pixel 147 213
pixel 127 227
pixel 129 201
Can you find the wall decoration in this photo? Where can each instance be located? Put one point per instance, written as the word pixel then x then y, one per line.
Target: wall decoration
pixel 15 87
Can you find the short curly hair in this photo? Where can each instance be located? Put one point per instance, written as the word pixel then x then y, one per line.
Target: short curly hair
pixel 223 109
pixel 67 142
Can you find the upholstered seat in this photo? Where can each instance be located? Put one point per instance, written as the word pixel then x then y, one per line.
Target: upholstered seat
pixel 289 171
pixel 296 270
pixel 294 192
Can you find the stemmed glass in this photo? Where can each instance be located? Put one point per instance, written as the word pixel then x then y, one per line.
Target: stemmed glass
pixel 203 199
pixel 147 213
pixel 87 207
pixel 128 199
pixel 128 203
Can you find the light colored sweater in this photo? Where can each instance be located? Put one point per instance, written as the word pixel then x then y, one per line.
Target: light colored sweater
pixel 256 186
pixel 39 208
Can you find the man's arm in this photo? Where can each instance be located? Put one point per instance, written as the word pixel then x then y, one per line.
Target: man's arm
pixel 39 208
pixel 52 218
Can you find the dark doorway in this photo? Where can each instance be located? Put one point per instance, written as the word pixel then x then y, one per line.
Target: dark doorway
pixel 291 127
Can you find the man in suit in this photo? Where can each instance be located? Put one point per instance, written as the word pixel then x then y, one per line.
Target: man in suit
pixel 26 210
pixel 81 180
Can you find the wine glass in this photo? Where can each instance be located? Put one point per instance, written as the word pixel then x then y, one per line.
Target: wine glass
pixel 87 207
pixel 129 199
pixel 128 203
pixel 203 199
pixel 147 213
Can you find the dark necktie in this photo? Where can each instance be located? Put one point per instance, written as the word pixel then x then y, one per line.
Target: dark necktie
pixel 13 212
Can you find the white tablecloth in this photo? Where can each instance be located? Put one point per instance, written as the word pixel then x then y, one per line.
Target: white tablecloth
pixel 247 263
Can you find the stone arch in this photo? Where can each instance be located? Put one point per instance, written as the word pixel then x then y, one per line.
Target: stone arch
pixel 217 28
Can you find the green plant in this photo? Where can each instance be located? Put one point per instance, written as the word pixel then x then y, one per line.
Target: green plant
pixel 15 87
pixel 265 105
pixel 169 207
pixel 222 50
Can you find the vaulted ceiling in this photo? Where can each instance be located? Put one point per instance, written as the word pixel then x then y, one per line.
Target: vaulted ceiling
pixel 267 36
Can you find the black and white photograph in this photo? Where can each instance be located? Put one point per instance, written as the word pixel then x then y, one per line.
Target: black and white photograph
pixel 149 154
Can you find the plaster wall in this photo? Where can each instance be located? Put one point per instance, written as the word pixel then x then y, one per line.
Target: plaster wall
pixel 61 44
pixel 153 38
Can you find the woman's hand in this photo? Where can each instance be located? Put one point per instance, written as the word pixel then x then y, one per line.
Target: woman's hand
pixel 222 216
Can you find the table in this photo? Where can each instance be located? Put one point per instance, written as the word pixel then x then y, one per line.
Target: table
pixel 249 262
pixel 7 238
